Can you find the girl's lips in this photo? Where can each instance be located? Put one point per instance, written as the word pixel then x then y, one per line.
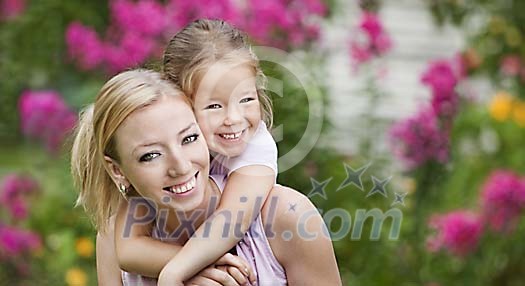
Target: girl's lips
pixel 231 137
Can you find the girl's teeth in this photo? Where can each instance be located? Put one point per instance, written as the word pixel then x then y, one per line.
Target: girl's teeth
pixel 231 135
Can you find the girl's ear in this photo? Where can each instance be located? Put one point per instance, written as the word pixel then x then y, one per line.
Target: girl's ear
pixel 116 172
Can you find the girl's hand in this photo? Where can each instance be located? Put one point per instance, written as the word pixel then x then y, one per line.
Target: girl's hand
pixel 212 276
pixel 237 268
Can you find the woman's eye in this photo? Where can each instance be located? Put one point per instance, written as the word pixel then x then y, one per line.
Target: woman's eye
pixel 213 106
pixel 148 157
pixel 189 139
pixel 247 99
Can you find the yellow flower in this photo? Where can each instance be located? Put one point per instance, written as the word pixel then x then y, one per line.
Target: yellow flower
pixel 518 113
pixel 84 247
pixel 501 106
pixel 76 277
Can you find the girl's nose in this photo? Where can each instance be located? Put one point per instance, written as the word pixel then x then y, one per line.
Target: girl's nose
pixel 233 116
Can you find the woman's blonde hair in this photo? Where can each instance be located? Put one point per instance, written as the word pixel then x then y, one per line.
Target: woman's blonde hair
pixel 94 137
pixel 203 43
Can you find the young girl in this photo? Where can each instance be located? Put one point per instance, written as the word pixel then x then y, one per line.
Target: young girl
pixel 216 68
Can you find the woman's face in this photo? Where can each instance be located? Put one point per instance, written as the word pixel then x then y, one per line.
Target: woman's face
pixel 163 155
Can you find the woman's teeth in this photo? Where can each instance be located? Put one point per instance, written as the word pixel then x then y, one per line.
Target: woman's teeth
pixel 182 188
pixel 231 135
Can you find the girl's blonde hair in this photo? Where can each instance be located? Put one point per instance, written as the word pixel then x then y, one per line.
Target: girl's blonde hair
pixel 203 43
pixel 94 137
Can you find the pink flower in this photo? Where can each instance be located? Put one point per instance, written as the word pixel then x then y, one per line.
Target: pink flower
pixel 184 12
pixel 283 24
pixel 442 80
pixel 144 17
pixel 12 8
pixel 419 139
pixel 458 232
pixel 14 191
pixel 510 65
pixel 503 200
pixel 371 39
pixel 15 242
pixel 46 117
pixel 84 46
pixel 132 50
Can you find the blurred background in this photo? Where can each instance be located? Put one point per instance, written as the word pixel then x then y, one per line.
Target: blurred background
pixel 423 101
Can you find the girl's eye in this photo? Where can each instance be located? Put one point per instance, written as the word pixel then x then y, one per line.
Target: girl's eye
pixel 148 157
pixel 247 99
pixel 189 139
pixel 213 106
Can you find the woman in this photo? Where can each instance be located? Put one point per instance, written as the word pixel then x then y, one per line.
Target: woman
pixel 141 139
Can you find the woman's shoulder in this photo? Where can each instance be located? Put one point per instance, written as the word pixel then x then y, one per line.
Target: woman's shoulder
pixel 285 209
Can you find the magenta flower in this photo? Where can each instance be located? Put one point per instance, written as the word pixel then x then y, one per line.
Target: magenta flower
pixel 458 232
pixel 11 8
pixel 182 13
pixel 371 40
pixel 14 191
pixel 84 46
pixel 442 78
pixel 503 200
pixel 419 139
pixel 280 23
pixel 16 242
pixel 132 50
pixel 144 17
pixel 45 116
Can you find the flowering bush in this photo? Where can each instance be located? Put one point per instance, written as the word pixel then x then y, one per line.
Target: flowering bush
pixel 140 29
pixel 425 137
pixel 11 8
pixel 458 232
pixel 45 116
pixel 16 244
pixel 503 200
pixel 371 39
pixel 14 193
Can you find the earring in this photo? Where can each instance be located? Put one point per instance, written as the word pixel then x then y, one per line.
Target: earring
pixel 122 189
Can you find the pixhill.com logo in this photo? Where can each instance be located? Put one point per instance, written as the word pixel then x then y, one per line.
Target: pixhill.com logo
pixel 377 216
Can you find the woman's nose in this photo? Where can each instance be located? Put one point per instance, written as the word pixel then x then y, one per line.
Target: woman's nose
pixel 179 165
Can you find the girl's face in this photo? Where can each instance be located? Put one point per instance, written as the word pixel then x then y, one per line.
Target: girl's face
pixel 227 108
pixel 163 155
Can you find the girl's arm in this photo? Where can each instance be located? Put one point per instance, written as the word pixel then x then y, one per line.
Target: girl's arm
pixel 241 202
pixel 136 251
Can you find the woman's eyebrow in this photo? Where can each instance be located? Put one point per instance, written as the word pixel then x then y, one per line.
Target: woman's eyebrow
pixel 187 128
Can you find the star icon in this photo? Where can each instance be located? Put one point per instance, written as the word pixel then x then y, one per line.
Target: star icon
pixel 318 188
pixel 291 207
pixel 353 177
pixel 379 187
pixel 399 199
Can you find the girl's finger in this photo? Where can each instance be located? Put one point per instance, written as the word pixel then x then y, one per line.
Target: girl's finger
pixel 219 276
pixel 237 275
pixel 234 260
pixel 201 281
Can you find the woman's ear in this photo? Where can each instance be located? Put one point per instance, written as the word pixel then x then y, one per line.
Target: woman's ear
pixel 116 172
